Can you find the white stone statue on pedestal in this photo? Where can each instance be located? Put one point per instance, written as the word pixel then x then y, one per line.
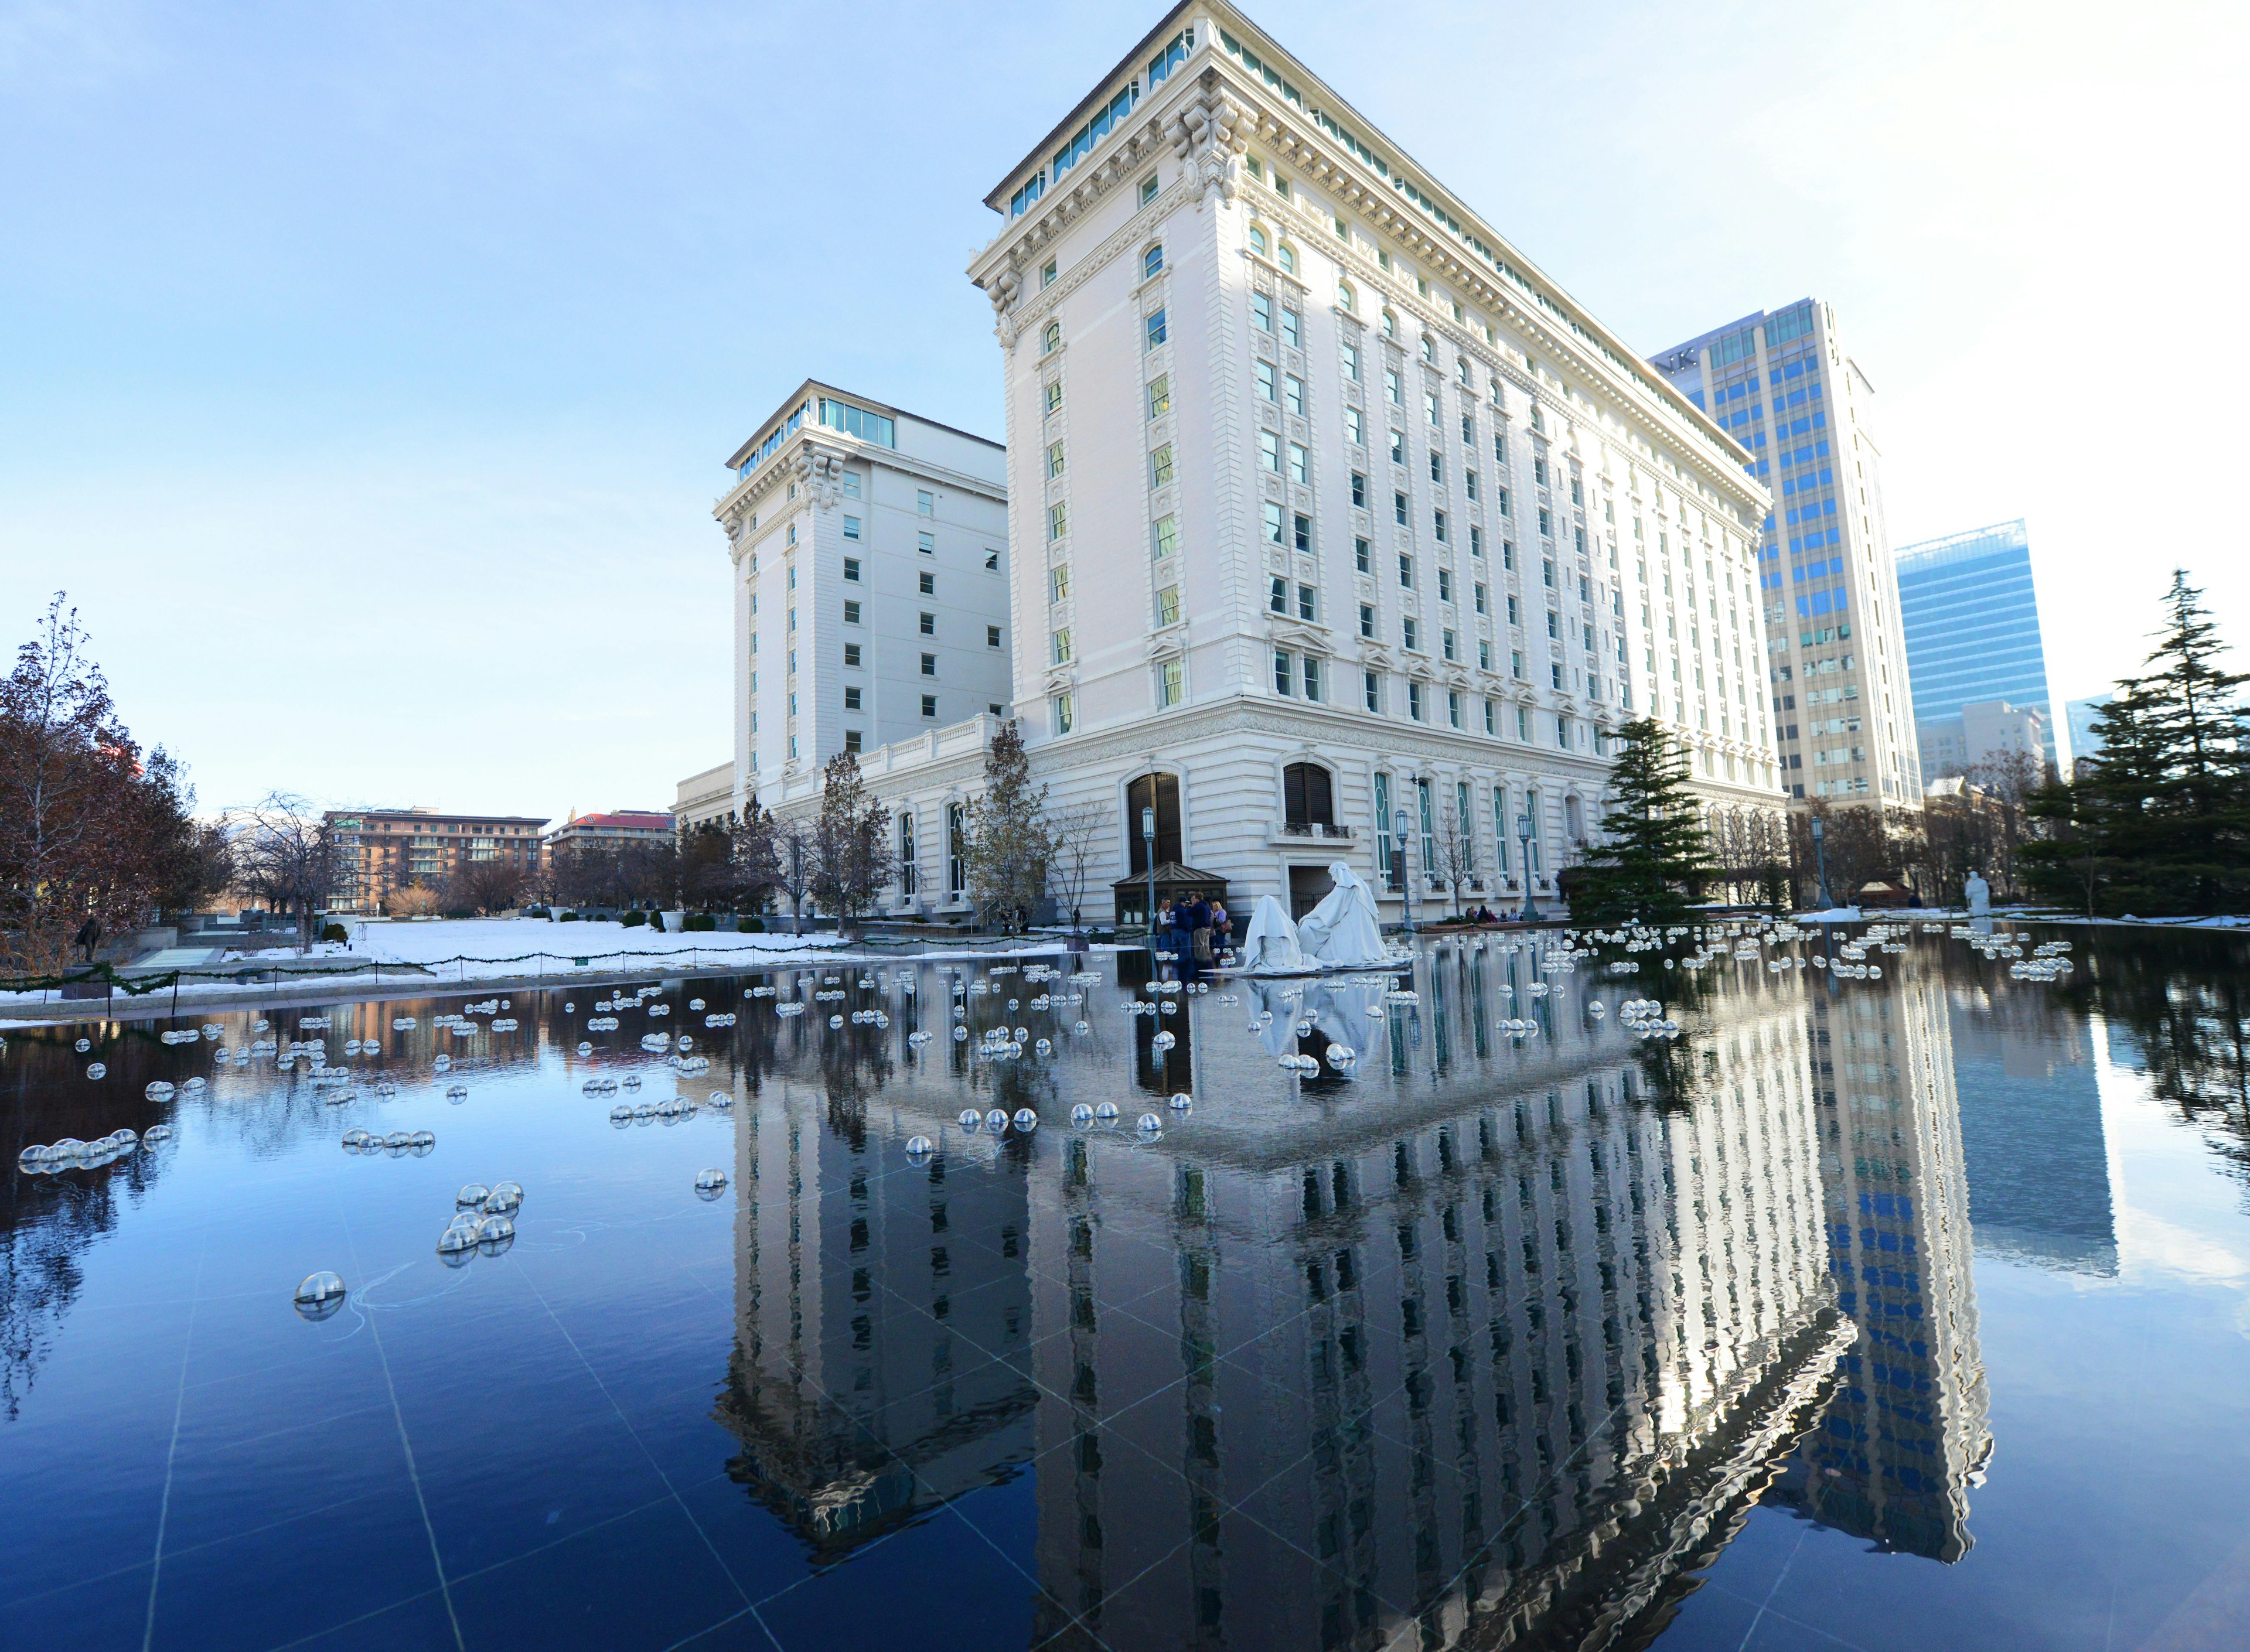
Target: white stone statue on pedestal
pixel 1978 894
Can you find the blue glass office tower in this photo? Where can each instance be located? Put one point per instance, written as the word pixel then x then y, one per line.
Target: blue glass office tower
pixel 1781 384
pixel 1972 628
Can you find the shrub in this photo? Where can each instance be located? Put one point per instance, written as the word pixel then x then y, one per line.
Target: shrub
pixel 335 932
pixel 700 922
pixel 751 925
pixel 464 912
pixel 634 920
pixel 569 917
pixel 536 911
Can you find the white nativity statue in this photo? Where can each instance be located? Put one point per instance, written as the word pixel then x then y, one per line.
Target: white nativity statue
pixel 1343 932
pixel 1269 946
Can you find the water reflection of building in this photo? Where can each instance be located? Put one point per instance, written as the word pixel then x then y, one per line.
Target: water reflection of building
pixel 1907 1432
pixel 865 1296
pixel 2023 1065
pixel 1510 1362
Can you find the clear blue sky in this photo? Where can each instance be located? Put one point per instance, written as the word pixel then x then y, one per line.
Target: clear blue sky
pixel 366 370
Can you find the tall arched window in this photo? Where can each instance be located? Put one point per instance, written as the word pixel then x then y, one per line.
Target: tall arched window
pixel 1161 792
pixel 1052 338
pixel 1288 258
pixel 1390 325
pixel 1258 243
pixel 1345 297
pixel 1152 261
pixel 1308 795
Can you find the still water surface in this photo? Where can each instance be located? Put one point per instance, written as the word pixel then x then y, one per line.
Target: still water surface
pixel 1910 1312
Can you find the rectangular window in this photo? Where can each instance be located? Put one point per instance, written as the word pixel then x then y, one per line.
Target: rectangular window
pixel 1410 632
pixel 1438 469
pixel 1148 189
pixel 1054 459
pixel 1372 682
pixel 1057 520
pixel 1168 606
pixel 851 613
pixel 852 699
pixel 850 653
pixel 1445 585
pixel 1285 674
pixel 1351 362
pixel 929 625
pixel 1263 372
pixel 1172 683
pixel 1437 526
pixel 1358 490
pixel 1292 396
pixel 1399 509
pixel 1277 596
pixel 851 741
pixel 1362 555
pixel 1398 448
pixel 1155 329
pixel 1491 718
pixel 1060 642
pixel 1406 572
pixel 1367 619
pixel 929 705
pixel 1453 708
pixel 925 502
pixel 1429 406
pixel 1160 466
pixel 1448 644
pixel 1304 533
pixel 1480 603
pixel 1269 451
pixel 1515 665
pixel 1469 483
pixel 1476 539
pixel 1300 470
pixel 851 528
pixel 1165 536
pixel 1384 848
pixel 1353 431
pixel 1065 713
pixel 1261 311
pixel 1500 500
pixel 928 583
pixel 926 543
pixel 1393 392
pixel 851 569
pixel 1058 583
pixel 1290 329
pixel 992 637
pixel 1307 604
pixel 1312 676
pixel 1160 395
pixel 1414 700
pixel 929 665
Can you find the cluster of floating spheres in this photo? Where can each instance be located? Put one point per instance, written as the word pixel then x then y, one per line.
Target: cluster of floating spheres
pixel 397 1144
pixel 71 1153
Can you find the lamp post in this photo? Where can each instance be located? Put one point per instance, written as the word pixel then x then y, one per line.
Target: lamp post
pixel 1820 852
pixel 1405 877
pixel 1523 836
pixel 1148 853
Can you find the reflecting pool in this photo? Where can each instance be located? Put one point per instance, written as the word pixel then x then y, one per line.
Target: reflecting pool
pixel 1515 1302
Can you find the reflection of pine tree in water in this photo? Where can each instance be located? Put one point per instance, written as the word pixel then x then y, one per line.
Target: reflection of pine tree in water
pixel 2182 1002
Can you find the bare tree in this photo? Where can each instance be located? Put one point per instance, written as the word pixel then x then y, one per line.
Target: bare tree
pixel 285 853
pixel 414 900
pixel 852 860
pixel 797 859
pixel 1078 834
pixel 485 886
pixel 1454 857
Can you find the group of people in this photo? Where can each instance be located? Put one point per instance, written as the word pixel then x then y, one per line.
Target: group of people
pixel 1194 933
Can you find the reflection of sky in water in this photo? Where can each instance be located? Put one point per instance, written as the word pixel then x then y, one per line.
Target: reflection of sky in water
pixel 1899 1313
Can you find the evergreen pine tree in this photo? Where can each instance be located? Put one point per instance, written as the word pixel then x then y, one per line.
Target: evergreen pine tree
pixel 1654 853
pixel 2158 822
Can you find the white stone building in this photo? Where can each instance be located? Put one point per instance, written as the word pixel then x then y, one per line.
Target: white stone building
pixel 1328 505
pixel 870 578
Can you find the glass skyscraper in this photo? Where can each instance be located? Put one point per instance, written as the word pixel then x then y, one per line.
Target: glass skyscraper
pixel 1781 384
pixel 1972 628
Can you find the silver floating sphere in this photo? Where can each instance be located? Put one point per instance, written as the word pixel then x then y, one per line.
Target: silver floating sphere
pixel 321 1295
pixel 85 1044
pixel 1150 1124
pixel 709 1184
pixel 156 1132
pixel 96 1069
pixel 494 1234
pixel 1026 1118
pixel 1081 1114
pixel 995 1120
pixel 459 1237
pixel 1106 1109
pixel 970 1118
pixel 1182 1102
pixel 1079 1027
pixel 918 1146
pixel 621 1115
pixel 456 1092
pixel 585 1050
